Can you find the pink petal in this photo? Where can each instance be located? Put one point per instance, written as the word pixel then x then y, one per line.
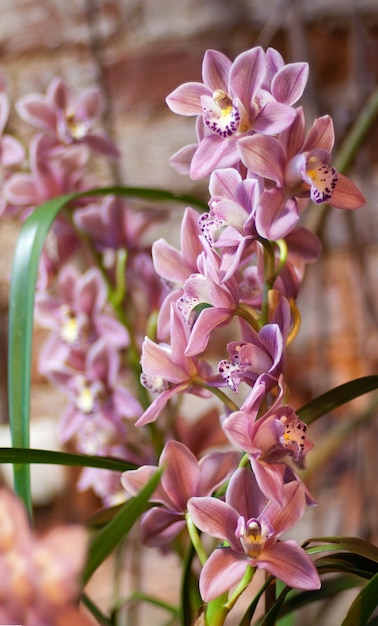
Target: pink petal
pixel 12 151
pixel 346 195
pixel 159 526
pixel 264 156
pixel 274 118
pixel 289 82
pixel 275 217
pixel 290 563
pixel 215 70
pixel 156 407
pixel 157 361
pixel 222 570
pixel 321 135
pixel 223 182
pixel 216 518
pixel 207 320
pixel 186 99
pixel 247 73
pixel 181 476
pixel 181 160
pixel 213 152
pixel 35 109
pixel 270 478
pixel 239 428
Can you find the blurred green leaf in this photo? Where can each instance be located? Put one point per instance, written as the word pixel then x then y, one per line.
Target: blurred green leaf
pixel 336 397
pixel 355 545
pixel 105 541
pixel 50 457
pixel 364 605
pixel 21 307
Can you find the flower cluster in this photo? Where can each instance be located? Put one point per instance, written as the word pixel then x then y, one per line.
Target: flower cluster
pixel 242 260
pixel 133 327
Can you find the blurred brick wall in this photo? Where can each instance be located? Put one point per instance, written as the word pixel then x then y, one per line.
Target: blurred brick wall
pixel 138 51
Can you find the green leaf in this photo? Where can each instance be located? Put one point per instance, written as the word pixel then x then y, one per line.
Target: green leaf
pixel 105 541
pixel 355 545
pixel 364 605
pixel 21 306
pixel 50 457
pixel 330 588
pixel 336 397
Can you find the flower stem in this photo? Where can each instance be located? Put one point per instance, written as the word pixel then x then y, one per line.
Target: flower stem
pixel 195 539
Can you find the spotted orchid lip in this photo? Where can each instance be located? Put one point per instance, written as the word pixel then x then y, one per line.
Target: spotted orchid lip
pixel 221 114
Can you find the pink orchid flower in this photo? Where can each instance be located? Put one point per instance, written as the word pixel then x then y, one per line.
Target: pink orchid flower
pixel 268 440
pixel 252 526
pixel 231 104
pixel 168 371
pixel 183 477
pixel 300 168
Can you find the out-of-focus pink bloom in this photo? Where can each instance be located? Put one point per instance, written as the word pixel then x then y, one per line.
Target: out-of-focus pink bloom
pixel 231 104
pixel 166 369
pixel 70 120
pixel 183 477
pixel 51 174
pixel 251 525
pixel 78 314
pixel 99 402
pixel 40 577
pixel 112 223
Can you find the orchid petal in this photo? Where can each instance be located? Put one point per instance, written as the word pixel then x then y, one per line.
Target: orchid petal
pixel 289 82
pixel 321 135
pixel 223 182
pixel 275 218
pixel 215 467
pixel 35 109
pixel 213 152
pixel 186 99
pixel 181 476
pixel 269 477
pixel 263 155
pixel 222 570
pixel 273 118
pixel 157 361
pixel 346 195
pixel 208 319
pixel 215 70
pixel 239 428
pixel 290 563
pixel 247 73
pixel 160 526
pixel 216 518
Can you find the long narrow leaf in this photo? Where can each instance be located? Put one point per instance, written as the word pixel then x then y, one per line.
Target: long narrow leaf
pixel 51 457
pixel 355 545
pixel 23 281
pixel 110 536
pixel 21 306
pixel 337 397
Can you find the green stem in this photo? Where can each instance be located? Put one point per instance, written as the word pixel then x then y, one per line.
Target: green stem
pixel 217 392
pixel 195 539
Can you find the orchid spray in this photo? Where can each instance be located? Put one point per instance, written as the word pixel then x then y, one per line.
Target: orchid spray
pixel 134 328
